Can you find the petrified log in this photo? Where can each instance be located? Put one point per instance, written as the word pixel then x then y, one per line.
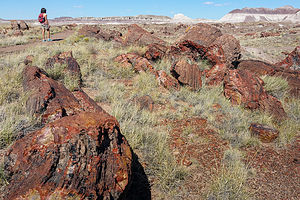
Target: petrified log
pixel 187 74
pixel 137 35
pixel 77 157
pixel 265 133
pixel 49 98
pixel 244 88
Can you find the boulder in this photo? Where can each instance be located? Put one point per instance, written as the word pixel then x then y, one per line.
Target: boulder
pixel 17 33
pixel 89 30
pixel 269 34
pixel 28 60
pixel 258 67
pixel 138 36
pixel 135 61
pixel 23 25
pixel 144 102
pixel 292 61
pixel 187 74
pixel 97 32
pixel 215 75
pixel 231 48
pixel 265 133
pixel 167 81
pixel 72 67
pixel 244 88
pixel 202 34
pixel 14 25
pixel 155 51
pixel 83 156
pixel 49 99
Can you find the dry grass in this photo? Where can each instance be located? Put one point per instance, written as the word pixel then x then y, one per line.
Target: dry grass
pixel 146 132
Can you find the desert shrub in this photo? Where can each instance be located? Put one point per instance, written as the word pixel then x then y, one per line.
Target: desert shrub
pixel 163 64
pixel 230 182
pixel 9 41
pixel 276 86
pixel 290 127
pixel 233 121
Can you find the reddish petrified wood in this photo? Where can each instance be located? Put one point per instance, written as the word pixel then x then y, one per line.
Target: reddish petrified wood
pixel 80 157
pixel 243 87
pixel 215 75
pixel 269 34
pixel 48 98
pixel 265 133
pixel 187 74
pixel 144 102
pixel 258 67
pixel 135 61
pixel 167 81
pixel 139 36
pixel 155 51
pixel 72 67
pixel 97 32
pixel 231 48
pixel 23 26
pixel 292 61
pixel 202 34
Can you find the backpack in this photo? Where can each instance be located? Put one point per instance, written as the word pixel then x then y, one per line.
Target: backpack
pixel 41 18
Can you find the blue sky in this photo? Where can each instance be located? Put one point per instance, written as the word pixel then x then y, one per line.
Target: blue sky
pixel 209 9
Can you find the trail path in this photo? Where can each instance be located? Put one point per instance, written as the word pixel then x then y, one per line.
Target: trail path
pixel 55 38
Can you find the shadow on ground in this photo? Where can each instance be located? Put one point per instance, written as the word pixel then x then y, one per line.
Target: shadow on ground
pixel 140 187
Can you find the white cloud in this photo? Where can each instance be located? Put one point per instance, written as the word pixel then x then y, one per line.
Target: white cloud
pixel 221 4
pixel 78 6
pixel 208 3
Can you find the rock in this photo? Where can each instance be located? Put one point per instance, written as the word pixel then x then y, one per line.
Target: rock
pixel 23 26
pixel 14 25
pixel 244 88
pixel 292 61
pixel 97 32
pixel 155 51
pixel 231 48
pixel 17 33
pixel 72 67
pixel 28 60
pixel 265 133
pixel 202 34
pixel 167 81
pixel 138 36
pixel 86 103
pixel 89 30
pixel 71 26
pixel 215 75
pixel 49 99
pixel 258 67
pixel 77 157
pixel 135 61
pixel 215 55
pixel 250 34
pixel 187 74
pixel 144 102
pixel 269 34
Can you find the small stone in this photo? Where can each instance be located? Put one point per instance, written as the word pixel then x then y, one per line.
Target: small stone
pixel 265 133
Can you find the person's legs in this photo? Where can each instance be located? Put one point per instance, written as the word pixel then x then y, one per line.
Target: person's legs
pixel 43 33
pixel 49 34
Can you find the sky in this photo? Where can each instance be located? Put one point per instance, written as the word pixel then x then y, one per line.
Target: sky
pixel 208 9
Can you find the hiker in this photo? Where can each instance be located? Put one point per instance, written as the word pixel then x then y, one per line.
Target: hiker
pixel 43 19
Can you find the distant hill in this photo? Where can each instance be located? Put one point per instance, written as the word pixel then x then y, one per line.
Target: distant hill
pixel 285 13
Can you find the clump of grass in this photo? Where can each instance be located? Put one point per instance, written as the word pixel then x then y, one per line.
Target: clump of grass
pixel 276 86
pixel 230 182
pixel 290 127
pixel 13 40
